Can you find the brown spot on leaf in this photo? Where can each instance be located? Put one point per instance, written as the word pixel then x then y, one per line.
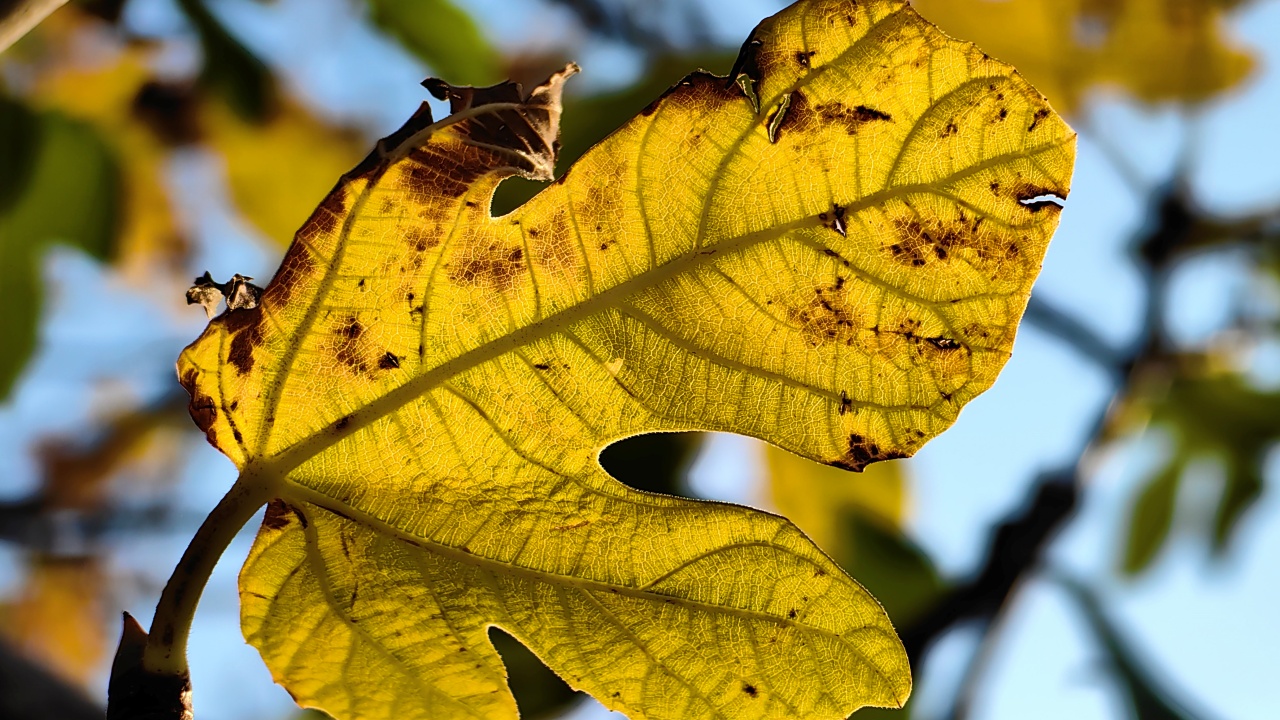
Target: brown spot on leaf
pixel 348 348
pixel 919 241
pixel 861 453
pixel 553 246
pixel 1036 197
pixel 801 117
pixel 827 317
pixel 280 513
pixel 750 689
pixel 389 361
pixel 803 57
pixel 419 240
pixel 203 410
pixel 1039 115
pixel 245 328
pixel 494 266
pixel 432 173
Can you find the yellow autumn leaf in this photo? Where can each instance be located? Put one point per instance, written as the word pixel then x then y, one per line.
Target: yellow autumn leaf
pixel 56 617
pixel 278 170
pixel 831 254
pixel 1158 50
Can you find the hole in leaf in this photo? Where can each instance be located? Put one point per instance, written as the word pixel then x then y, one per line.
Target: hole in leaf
pixel 657 462
pixel 539 692
pixel 1039 202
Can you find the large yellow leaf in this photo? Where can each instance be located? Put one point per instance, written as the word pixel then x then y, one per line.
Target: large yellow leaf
pixel 1157 50
pixel 425 389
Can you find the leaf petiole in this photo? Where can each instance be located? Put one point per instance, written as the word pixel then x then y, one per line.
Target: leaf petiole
pixel 166 652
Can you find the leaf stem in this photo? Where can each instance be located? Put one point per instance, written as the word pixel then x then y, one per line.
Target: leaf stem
pixel 166 651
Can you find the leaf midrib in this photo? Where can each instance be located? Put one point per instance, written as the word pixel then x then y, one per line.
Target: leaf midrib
pixel 291 457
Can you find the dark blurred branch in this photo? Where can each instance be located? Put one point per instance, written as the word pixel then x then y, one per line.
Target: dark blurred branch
pixel 1015 548
pixel 29 692
pixel 623 22
pixel 1075 333
pixel 1147 699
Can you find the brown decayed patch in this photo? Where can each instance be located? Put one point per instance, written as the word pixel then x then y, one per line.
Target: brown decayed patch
pixel 802 117
pixel 698 90
pixel 1026 193
pixel 495 266
pixel 553 246
pixel 420 240
pixel 862 452
pixel 430 173
pixel 280 513
pixel 389 361
pixel 827 317
pixel 325 219
pixel 203 410
pixel 349 348
pixel 920 241
pixel 245 328
pixel 1039 115
pixel 296 266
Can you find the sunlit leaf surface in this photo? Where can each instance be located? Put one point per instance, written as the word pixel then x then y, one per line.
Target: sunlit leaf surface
pixel 427 388
pixel 1156 50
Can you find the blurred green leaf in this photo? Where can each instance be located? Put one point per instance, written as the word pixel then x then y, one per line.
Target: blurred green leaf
pixel 1146 699
pixel 896 571
pixel 71 198
pixel 441 35
pixel 18 135
pixel 230 68
pixel 1151 518
pixel 1211 415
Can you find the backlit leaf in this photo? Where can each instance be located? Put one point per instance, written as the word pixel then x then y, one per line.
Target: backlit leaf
pixel 1156 50
pixel 426 388
pixel 1152 518
pixel 817 497
pixel 858 521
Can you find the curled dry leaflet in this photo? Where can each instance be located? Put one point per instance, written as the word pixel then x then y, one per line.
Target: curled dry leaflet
pixel 829 249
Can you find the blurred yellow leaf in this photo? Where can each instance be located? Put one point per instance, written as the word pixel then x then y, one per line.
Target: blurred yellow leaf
pixel 830 251
pixel 281 168
pixel 816 497
pixel 1157 50
pixel 104 95
pixel 57 617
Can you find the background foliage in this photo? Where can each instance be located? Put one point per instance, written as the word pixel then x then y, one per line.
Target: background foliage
pixel 197 134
